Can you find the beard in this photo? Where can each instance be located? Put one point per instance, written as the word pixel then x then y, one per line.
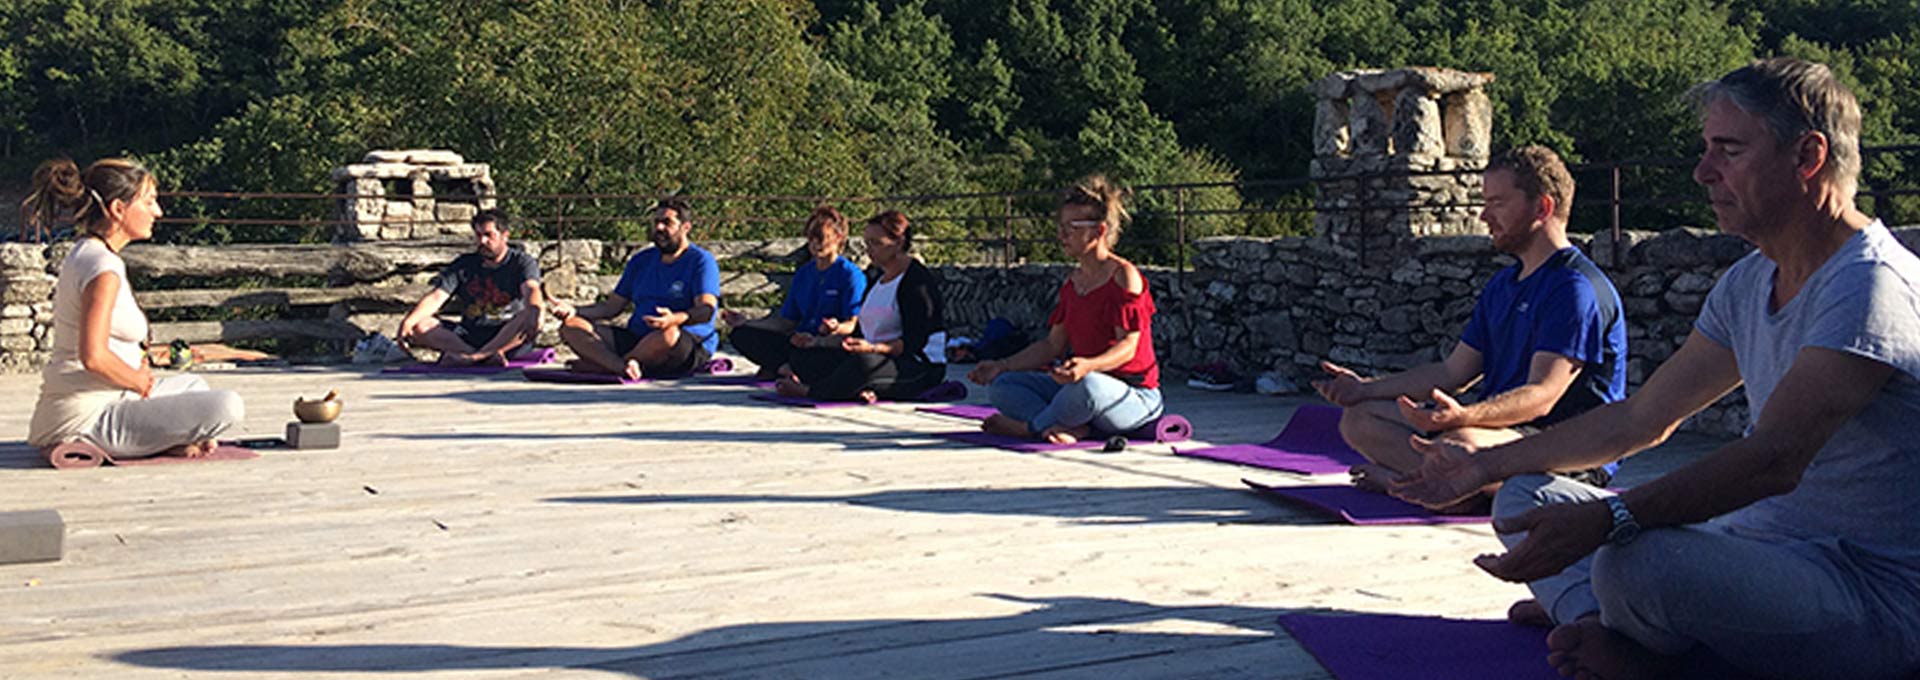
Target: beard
pixel 665 241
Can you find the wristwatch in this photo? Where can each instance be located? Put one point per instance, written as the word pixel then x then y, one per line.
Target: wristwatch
pixel 1625 528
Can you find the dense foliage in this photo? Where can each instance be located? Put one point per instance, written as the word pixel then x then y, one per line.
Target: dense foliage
pixel 877 97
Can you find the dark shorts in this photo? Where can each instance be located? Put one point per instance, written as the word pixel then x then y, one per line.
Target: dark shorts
pixel 685 358
pixel 477 335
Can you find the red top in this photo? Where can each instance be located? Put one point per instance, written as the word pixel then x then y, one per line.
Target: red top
pixel 1090 319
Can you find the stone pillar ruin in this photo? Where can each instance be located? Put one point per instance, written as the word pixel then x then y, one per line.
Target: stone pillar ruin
pixel 411 194
pixel 1397 156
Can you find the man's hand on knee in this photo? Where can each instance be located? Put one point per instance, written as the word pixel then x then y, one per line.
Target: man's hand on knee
pixel 1558 535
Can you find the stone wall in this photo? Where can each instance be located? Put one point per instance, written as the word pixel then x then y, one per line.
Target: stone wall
pixel 26 307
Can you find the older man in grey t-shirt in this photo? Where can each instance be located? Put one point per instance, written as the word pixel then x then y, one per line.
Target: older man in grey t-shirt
pixel 1793 552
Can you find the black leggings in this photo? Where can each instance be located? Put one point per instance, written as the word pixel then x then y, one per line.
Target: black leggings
pixel 836 375
pixel 769 349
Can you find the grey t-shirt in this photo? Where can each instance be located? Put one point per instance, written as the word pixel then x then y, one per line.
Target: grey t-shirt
pixel 1863 487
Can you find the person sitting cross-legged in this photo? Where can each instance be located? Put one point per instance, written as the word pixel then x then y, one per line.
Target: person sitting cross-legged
pixel 1095 372
pixel 496 288
pixel 823 299
pixel 1546 341
pixel 674 289
pixel 1793 551
pixel 898 348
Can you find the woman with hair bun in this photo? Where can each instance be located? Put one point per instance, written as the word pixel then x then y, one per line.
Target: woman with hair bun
pixel 1095 372
pixel 97 388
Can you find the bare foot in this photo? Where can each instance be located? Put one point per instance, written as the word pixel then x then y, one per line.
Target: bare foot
pixel 633 369
pixel 785 371
pixel 1477 504
pixel 194 450
pixel 1586 649
pixel 1371 477
pixel 1000 424
pixel 1061 434
pixel 489 359
pixel 1529 612
pixel 869 397
pixel 788 386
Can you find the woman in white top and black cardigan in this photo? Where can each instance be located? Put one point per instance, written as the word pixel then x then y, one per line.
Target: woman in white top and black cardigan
pixel 97 388
pixel 900 348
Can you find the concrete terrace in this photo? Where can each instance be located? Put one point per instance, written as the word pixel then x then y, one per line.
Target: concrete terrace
pixel 495 528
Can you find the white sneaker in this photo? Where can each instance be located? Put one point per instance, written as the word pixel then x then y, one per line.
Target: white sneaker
pixel 1272 383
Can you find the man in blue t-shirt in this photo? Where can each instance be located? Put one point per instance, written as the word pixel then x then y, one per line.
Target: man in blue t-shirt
pixel 674 289
pixel 1547 339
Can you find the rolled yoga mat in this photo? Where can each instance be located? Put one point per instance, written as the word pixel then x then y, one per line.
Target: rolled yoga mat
pixel 534 358
pixel 1309 444
pixel 79 454
pixel 1362 508
pixel 1173 428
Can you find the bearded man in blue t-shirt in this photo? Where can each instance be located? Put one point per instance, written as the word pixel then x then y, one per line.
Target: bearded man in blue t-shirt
pixel 1547 340
pixel 674 289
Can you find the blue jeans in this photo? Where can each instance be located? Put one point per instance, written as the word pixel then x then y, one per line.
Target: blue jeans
pixel 1774 608
pixel 1101 401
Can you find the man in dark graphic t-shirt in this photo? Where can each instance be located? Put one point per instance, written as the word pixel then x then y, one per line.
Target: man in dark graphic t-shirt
pixel 495 289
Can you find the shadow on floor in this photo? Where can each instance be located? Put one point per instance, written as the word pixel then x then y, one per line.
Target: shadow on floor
pixel 1083 505
pixel 1069 633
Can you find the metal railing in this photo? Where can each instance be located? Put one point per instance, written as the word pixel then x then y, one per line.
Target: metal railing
pixel 1635 190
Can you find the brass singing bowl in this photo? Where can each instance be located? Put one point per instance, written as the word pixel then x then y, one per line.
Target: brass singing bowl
pixel 314 412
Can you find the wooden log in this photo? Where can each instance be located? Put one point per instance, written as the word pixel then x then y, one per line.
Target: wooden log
pixel 279 297
pixel 229 331
pixel 355 262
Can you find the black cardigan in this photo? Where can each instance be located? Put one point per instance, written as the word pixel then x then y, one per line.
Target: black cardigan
pixel 923 311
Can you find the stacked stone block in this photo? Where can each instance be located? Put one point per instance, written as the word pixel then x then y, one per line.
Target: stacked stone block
pixel 442 192
pixel 1397 156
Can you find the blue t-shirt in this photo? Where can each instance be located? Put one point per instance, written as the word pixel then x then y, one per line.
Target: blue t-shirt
pixel 815 295
pixel 1567 307
pixel 649 284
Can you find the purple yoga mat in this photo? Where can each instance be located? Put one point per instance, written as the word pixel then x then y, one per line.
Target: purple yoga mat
pixel 804 402
pixel 1309 444
pixel 1359 507
pixel 1168 428
pixel 946 391
pixel 1390 647
pixel 561 375
pixel 747 379
pixel 533 358
pixel 968 411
